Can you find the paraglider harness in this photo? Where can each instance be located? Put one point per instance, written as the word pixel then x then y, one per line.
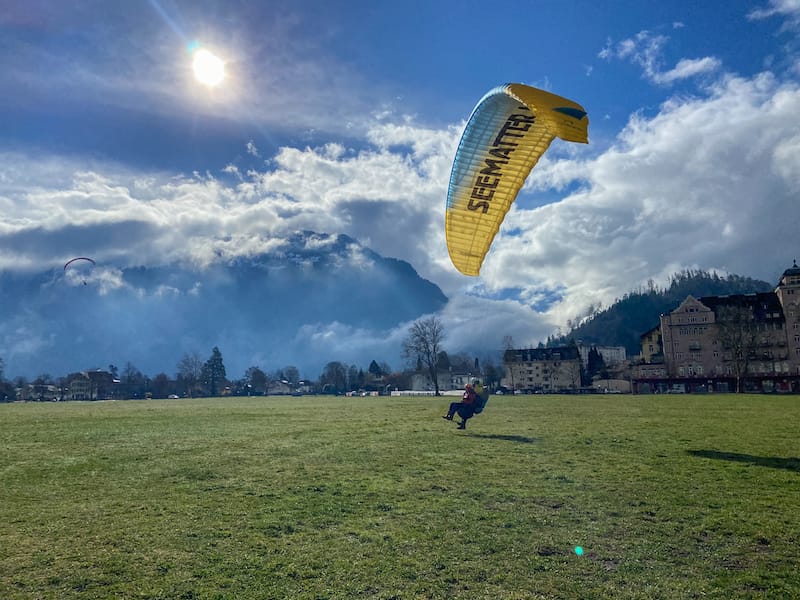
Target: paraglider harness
pixel 481 398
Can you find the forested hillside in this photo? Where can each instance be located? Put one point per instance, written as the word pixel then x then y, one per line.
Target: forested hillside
pixel 628 318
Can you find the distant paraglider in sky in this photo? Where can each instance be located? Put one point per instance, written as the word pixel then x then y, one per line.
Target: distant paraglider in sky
pixel 82 270
pixel 509 129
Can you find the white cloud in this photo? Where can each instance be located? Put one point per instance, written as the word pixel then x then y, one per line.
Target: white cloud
pixel 345 344
pixel 646 50
pixel 782 8
pixel 702 183
pixel 24 342
pixel 687 68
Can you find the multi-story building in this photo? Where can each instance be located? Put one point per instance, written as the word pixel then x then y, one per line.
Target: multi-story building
pixel 94 384
pixel 651 346
pixel 788 292
pixel 543 369
pixel 81 388
pixel 749 341
pixel 612 355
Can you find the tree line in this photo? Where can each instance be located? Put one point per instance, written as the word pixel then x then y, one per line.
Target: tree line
pixel 423 352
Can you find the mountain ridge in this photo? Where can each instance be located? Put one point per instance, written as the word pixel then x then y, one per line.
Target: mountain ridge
pixel 281 308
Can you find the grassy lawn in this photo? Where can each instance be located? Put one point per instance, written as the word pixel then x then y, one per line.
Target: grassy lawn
pixel 321 497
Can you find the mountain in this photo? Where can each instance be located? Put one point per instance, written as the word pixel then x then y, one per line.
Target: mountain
pixel 292 306
pixel 628 318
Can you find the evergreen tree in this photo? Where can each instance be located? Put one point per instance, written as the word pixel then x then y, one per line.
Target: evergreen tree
pixel 596 365
pixel 213 373
pixel 256 379
pixel 375 370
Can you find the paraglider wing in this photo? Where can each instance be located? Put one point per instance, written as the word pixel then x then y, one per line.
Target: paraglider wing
pixel 509 129
pixel 69 262
pixel 85 271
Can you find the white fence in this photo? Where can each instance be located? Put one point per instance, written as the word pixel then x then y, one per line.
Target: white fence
pixel 458 393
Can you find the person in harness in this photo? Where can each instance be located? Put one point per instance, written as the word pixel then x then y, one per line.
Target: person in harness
pixel 472 402
pixel 465 408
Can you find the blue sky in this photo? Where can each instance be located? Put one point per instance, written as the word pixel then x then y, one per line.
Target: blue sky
pixel 343 117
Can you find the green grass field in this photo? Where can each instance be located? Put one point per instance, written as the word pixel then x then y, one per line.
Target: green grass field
pixel 321 497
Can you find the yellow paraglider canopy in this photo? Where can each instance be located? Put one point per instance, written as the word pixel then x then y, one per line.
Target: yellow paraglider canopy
pixel 509 129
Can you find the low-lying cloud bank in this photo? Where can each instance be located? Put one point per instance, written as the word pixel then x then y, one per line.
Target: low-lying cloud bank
pixel 709 181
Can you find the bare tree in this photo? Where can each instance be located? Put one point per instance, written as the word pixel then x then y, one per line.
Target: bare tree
pixel 423 345
pixel 508 345
pixel 291 374
pixel 189 369
pixel 159 386
pixel 334 378
pixel 737 334
pixel 40 385
pixel 132 378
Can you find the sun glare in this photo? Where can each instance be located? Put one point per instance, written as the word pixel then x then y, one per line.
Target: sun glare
pixel 208 69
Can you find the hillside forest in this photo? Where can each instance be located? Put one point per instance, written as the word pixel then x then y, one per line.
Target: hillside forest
pixel 637 312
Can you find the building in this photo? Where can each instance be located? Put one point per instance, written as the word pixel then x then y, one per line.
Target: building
pixel 94 384
pixel 612 355
pixel 726 343
pixel 650 342
pixel 448 380
pixel 545 370
pixel 39 392
pixel 81 387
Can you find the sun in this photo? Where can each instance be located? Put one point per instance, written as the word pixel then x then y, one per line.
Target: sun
pixel 208 68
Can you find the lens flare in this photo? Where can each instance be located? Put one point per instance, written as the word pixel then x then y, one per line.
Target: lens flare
pixel 578 550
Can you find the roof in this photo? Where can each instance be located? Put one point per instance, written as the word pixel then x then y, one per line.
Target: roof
pixel 765 306
pixel 793 271
pixel 533 354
